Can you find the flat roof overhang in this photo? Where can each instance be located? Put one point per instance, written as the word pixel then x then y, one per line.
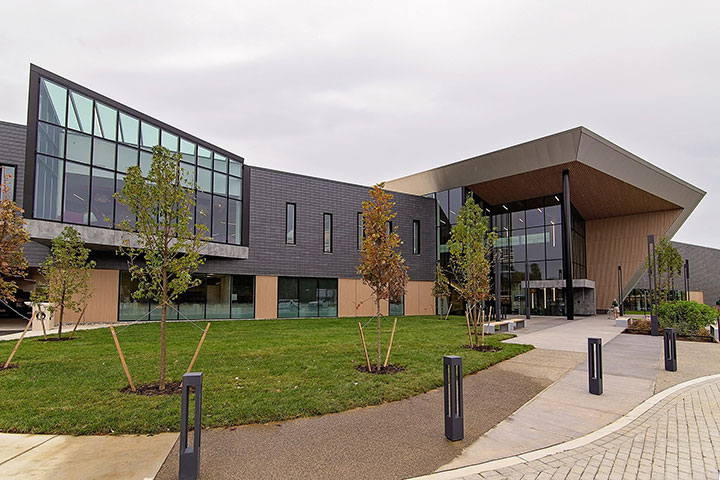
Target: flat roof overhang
pixel 605 180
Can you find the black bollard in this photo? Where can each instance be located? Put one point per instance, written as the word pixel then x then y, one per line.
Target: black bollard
pixel 595 365
pixel 190 456
pixel 670 341
pixel 452 366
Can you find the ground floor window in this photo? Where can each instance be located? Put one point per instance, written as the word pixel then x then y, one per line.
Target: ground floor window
pixel 397 308
pixel 307 297
pixel 215 296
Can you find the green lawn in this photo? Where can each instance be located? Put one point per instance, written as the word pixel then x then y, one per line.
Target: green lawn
pixel 254 371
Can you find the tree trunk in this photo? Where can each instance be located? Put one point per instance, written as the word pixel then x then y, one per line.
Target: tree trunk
pixel 62 310
pixel 473 315
pixel 163 316
pixel 483 331
pixel 377 305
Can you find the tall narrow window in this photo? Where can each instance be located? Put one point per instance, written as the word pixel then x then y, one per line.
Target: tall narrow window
pixel 7 182
pixel 388 228
pixel 327 232
pixel 360 230
pixel 416 237
pixel 290 223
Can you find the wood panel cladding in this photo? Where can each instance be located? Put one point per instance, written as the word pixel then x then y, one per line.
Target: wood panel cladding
pixel 103 307
pixel 595 194
pixel 621 241
pixel 355 299
pixel 266 289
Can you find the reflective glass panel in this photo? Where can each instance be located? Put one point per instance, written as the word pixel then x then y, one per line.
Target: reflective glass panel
pixel 48 188
pixel 235 187
pixel 535 217
pixel 50 139
pixel 327 297
pixel 517 243
pixel 220 183
pixel 327 233
pixel 456 202
pixel 290 223
pixel 517 220
pixel 553 245
pixel 128 129
pixel 235 168
pixel 537 270
pixel 77 193
pixel 105 122
pixel 53 100
pixel 145 162
pixel 8 183
pixel 187 149
pixel 80 113
pixel 553 214
pixel 131 309
pixel 192 302
pixel 219 219
pixel 78 147
pixel 102 201
pixel 204 180
pixel 203 208
pixel 536 243
pixel 288 301
pixel 104 154
pixel 554 270
pixel 187 175
pixel 204 157
pixel 416 237
pixel 127 157
pixel 220 164
pixel 307 290
pixel 243 303
pixel 149 135
pixel 443 207
pixel 234 222
pixel 170 141
pixel 122 212
pixel 218 296
pixel 397 308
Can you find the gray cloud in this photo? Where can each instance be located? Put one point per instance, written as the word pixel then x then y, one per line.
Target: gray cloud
pixel 366 91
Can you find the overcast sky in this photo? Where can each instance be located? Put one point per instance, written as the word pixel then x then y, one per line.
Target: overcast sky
pixel 365 91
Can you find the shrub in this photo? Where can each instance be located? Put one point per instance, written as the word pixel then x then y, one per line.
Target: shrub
pixel 687 318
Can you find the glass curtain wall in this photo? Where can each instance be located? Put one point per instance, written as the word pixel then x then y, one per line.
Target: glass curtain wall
pixel 530 244
pixel 307 297
pixel 84 149
pixel 214 297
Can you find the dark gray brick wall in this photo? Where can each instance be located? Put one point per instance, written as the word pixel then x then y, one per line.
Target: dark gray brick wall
pixel 704 271
pixel 269 255
pixel 12 152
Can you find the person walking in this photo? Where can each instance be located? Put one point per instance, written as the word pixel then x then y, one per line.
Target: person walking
pixel 616 308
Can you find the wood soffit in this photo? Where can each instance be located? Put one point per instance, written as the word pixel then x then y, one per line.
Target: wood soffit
pixel 594 193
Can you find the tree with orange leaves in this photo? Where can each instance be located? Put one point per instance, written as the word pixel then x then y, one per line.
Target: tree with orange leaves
pixel 382 266
pixel 13 237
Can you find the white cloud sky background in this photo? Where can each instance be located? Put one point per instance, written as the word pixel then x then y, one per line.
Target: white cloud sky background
pixel 374 90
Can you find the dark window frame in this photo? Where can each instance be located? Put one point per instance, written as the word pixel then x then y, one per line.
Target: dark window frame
pixel 294 229
pixel 328 248
pixel 416 237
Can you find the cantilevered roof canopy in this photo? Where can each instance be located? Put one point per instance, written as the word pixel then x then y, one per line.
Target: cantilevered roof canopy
pixel 605 180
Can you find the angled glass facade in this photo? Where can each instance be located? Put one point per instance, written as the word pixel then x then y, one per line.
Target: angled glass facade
pixel 85 146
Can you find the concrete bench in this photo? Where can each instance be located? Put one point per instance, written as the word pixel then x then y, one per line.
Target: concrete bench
pixel 623 322
pixel 520 323
pixel 503 326
pixel 714 332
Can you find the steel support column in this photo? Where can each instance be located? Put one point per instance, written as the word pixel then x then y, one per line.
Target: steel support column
pixel 567 246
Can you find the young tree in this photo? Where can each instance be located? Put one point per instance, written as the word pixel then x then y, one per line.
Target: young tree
pixel 470 245
pixel 162 247
pixel 13 237
pixel 67 272
pixel 441 287
pixel 382 267
pixel 669 265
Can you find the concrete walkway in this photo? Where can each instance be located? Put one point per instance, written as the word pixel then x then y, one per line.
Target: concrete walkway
pixel 61 457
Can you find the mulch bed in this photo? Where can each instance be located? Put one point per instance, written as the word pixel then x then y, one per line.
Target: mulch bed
pixel 153 389
pixel 54 339
pixel 12 365
pixel 642 327
pixel 483 348
pixel 389 370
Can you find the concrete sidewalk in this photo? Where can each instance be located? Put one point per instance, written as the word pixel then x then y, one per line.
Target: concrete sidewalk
pixel 64 457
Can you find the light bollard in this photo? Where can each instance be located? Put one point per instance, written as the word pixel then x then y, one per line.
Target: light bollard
pixel 452 367
pixel 670 344
pixel 595 366
pixel 190 455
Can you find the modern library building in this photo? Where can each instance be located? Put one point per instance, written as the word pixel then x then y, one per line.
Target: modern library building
pixel 569 209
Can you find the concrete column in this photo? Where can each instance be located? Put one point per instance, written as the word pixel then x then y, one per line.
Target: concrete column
pixel 567 246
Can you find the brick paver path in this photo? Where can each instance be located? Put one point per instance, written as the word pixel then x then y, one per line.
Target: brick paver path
pixel 677 438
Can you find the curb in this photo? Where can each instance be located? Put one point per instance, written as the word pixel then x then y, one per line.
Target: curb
pixel 571 444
